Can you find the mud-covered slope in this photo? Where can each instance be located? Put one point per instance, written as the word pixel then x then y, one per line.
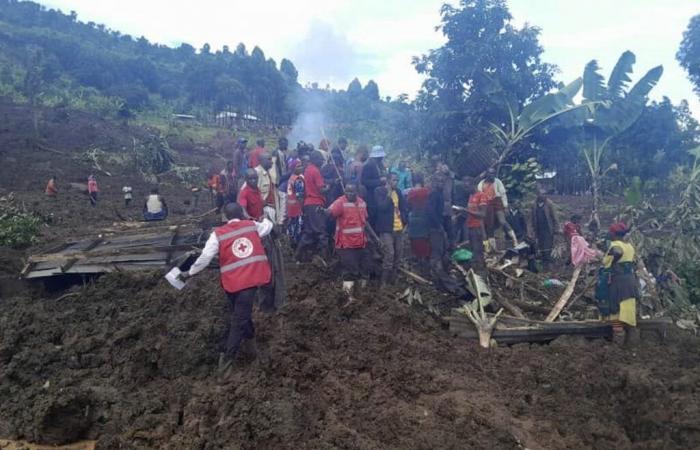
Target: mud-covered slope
pixel 132 363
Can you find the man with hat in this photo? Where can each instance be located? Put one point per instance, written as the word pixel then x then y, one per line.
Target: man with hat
pixel 373 176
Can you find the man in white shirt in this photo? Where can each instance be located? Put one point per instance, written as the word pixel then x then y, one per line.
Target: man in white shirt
pixel 155 207
pixel 243 266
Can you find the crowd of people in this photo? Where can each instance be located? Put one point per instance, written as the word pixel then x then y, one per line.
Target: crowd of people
pixel 378 221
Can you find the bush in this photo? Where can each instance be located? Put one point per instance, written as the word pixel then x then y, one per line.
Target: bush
pixel 17 228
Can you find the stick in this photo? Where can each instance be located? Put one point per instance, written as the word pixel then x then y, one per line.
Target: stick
pixel 415 276
pixel 213 210
pixel 564 296
pixel 337 172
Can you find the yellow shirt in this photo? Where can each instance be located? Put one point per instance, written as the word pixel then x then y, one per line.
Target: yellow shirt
pixel 398 225
pixel 627 253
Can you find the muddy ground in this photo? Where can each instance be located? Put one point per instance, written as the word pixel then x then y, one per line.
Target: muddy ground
pixel 128 361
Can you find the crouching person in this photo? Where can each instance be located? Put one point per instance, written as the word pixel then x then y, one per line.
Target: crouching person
pixel 243 267
pixel 350 212
pixel 155 207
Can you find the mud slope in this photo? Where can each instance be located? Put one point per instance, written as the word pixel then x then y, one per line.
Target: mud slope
pixel 131 364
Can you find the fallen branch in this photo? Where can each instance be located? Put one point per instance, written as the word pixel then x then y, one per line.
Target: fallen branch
pixel 49 149
pixel 415 276
pixel 213 210
pixel 517 280
pixel 70 294
pixel 559 305
pixel 514 310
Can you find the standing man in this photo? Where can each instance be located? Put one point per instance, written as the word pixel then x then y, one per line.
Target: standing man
pixel 418 229
pixel 350 212
pixel 498 202
pixel 373 176
pixel 447 180
pixel 243 267
pixel 354 166
pixel 227 179
pixel 249 197
pixel 436 224
pixel 240 161
pixel 392 216
pixel 253 160
pixel 274 294
pixel 313 232
pixel 543 222
pixel 279 160
pixel 404 174
pixel 127 195
pixel 476 212
pixel 295 199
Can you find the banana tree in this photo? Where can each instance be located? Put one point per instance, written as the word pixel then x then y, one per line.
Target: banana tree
pixel 533 115
pixel 612 111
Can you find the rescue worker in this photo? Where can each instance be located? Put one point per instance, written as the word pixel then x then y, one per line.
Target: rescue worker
pixel 243 267
pixel 498 202
pixel 350 214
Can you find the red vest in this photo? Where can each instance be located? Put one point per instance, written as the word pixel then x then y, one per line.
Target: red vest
pixel 242 260
pixel 350 223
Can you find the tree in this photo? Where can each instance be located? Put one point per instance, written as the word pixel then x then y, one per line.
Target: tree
pixel 37 73
pixel 689 52
pixel 613 112
pixel 288 69
pixel 354 88
pixel 484 54
pixel 371 91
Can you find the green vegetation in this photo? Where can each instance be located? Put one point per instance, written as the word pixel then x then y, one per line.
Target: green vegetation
pixel 18 228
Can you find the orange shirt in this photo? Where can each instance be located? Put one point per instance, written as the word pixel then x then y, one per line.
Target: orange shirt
pixel 51 188
pixel 476 201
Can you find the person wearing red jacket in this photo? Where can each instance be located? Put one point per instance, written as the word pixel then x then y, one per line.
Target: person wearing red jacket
pixel 350 212
pixel 250 198
pixel 243 267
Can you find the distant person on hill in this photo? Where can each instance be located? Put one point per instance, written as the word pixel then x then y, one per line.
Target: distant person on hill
pixel 51 187
pixel 155 208
pixel 92 190
pixel 127 195
pixel 243 268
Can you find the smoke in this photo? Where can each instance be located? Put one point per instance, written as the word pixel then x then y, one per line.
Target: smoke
pixel 311 118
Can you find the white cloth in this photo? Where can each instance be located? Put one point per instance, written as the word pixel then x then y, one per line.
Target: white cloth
pixel 127 192
pixel 154 205
pixel 211 248
pixel 499 188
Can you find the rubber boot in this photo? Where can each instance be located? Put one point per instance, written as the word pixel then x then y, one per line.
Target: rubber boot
pixel 347 289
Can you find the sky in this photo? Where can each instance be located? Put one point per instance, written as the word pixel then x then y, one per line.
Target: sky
pixel 333 41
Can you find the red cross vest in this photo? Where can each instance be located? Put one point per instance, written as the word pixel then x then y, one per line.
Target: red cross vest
pixel 242 260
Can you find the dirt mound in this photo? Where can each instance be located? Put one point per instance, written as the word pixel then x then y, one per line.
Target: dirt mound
pixel 131 363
